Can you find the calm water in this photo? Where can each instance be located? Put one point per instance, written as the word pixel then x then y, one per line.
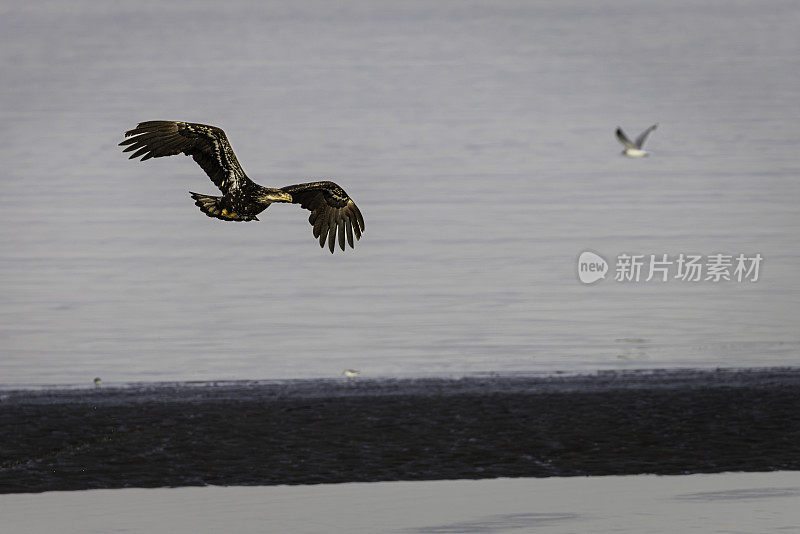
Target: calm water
pixel 477 140
pixel 728 502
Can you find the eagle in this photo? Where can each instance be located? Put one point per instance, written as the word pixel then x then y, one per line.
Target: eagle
pixel 333 212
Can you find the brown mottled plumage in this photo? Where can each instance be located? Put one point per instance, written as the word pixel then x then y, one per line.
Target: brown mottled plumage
pixel 333 212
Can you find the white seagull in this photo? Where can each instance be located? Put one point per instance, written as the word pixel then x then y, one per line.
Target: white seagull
pixel 634 150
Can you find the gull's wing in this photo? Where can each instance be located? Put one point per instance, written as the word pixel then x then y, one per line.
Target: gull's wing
pixel 642 136
pixel 624 139
pixel 332 212
pixel 207 145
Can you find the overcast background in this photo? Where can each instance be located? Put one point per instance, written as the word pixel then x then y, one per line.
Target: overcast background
pixel 477 139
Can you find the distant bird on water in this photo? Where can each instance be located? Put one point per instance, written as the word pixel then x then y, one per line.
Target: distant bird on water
pixel 332 210
pixel 634 150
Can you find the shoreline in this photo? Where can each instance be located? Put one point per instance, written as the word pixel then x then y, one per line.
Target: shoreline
pixel 380 385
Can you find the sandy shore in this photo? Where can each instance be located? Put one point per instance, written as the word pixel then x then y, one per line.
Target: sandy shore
pixel 307 432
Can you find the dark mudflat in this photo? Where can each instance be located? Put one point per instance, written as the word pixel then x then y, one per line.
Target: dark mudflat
pixel 324 431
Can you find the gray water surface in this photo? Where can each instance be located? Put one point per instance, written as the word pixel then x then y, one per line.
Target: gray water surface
pixel 477 139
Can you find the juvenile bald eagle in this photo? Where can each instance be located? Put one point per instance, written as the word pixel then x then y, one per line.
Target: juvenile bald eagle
pixel 332 210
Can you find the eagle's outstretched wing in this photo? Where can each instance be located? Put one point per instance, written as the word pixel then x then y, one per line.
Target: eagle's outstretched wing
pixel 207 145
pixel 624 139
pixel 643 136
pixel 332 212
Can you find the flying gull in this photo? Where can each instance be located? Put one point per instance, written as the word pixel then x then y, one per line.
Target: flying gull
pixel 634 150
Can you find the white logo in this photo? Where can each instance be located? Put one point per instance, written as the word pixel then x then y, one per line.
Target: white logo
pixel 688 268
pixel 591 267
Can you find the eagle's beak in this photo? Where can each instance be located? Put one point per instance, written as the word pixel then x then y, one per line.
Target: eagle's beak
pixel 279 196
